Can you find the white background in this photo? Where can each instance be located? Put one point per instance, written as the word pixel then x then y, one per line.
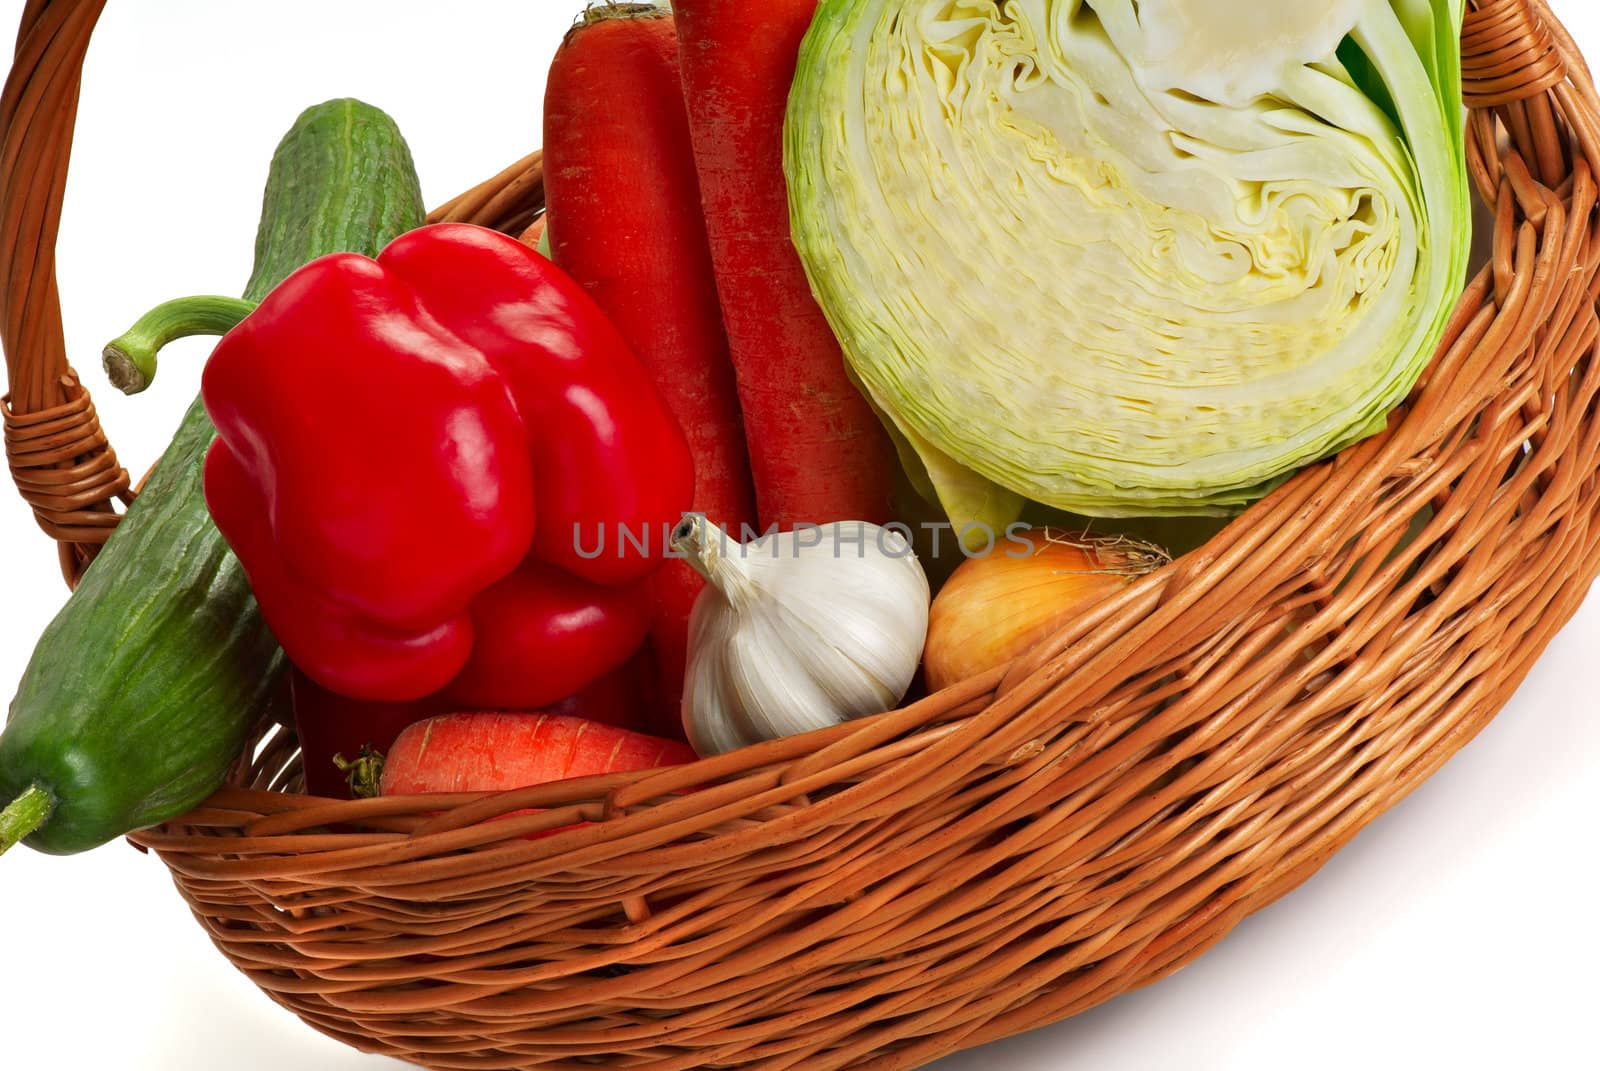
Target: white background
pixel 1458 931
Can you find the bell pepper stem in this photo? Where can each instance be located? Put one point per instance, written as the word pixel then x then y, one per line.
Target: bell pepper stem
pixel 131 359
pixel 25 815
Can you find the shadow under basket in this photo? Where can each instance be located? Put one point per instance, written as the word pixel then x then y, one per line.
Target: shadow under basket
pixel 998 856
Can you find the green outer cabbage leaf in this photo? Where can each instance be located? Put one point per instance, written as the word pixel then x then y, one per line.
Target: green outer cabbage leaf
pixel 1129 257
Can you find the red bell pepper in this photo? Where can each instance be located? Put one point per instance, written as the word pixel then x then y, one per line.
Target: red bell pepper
pixel 542 634
pixel 443 465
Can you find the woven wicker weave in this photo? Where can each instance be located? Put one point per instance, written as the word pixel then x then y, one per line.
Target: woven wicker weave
pixel 1003 854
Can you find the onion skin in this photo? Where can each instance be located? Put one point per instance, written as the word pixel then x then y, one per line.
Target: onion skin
pixel 998 607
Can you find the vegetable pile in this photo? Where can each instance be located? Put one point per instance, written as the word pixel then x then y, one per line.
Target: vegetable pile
pixel 814 284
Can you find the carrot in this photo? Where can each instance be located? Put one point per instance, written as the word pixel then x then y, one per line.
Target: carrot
pixel 623 196
pixel 818 452
pixel 531 236
pixel 494 752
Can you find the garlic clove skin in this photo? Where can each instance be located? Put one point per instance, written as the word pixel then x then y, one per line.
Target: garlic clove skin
pixel 797 631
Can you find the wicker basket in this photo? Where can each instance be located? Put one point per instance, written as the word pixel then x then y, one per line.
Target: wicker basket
pixel 996 857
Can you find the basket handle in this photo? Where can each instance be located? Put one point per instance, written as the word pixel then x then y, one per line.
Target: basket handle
pixel 59 456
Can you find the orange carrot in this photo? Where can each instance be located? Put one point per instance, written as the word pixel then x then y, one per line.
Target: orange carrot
pixel 535 231
pixel 624 204
pixel 817 451
pixel 494 752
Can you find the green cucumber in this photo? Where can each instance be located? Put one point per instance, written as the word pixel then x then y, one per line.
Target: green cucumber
pixel 143 690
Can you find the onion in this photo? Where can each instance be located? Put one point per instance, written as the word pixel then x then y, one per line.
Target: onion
pixel 998 607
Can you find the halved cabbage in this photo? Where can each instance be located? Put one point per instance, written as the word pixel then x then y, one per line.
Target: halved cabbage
pixel 1129 257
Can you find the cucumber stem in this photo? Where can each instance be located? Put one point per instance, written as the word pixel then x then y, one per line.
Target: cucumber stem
pixel 131 360
pixel 25 815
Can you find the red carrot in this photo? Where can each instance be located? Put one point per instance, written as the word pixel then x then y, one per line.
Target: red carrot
pixel 818 452
pixel 534 232
pixel 493 752
pixel 624 203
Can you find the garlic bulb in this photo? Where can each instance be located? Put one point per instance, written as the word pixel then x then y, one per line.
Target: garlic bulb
pixel 798 630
